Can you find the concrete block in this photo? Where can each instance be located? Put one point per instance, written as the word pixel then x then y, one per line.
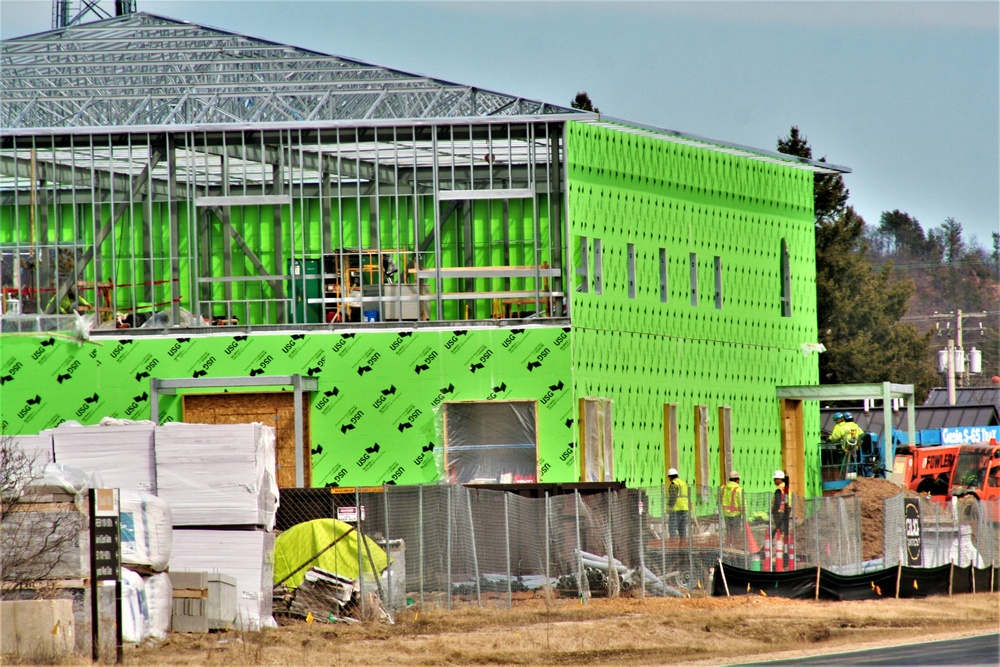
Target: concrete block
pixel 37 629
pixel 189 580
pixel 221 608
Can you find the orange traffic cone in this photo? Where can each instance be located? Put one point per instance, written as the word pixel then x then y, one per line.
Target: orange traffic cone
pixel 779 552
pixel 751 541
pixel 791 551
pixel 767 550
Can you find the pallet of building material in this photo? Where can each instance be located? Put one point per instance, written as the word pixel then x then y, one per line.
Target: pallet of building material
pixel 44 542
pixel 36 449
pixel 121 452
pixel 323 594
pixel 245 555
pixel 146 532
pixel 217 474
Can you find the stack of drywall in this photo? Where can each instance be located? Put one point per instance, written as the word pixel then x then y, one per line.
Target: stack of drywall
pixel 36 449
pixel 247 555
pixel 122 452
pixel 217 474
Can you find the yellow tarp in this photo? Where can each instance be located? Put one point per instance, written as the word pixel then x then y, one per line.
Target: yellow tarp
pixel 304 541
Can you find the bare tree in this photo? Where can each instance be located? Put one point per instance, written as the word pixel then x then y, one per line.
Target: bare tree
pixel 41 527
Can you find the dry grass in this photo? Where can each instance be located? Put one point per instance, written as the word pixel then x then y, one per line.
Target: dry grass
pixel 604 632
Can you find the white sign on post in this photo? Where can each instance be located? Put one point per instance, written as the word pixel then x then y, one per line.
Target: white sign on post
pixel 350 514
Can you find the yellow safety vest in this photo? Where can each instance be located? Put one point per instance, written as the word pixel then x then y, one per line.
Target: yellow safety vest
pixel 732 499
pixel 681 500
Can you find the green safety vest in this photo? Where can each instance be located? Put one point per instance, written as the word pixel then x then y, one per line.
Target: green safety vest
pixel 732 499
pixel 677 495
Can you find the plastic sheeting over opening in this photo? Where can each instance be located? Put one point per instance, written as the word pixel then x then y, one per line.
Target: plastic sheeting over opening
pixel 597 448
pixel 328 544
pixel 491 442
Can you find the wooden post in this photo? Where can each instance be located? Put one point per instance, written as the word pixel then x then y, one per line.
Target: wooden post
pixel 701 473
pixel 725 443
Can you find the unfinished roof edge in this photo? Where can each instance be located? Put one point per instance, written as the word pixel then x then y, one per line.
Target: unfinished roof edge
pixel 361 95
pixel 145 69
pixel 818 166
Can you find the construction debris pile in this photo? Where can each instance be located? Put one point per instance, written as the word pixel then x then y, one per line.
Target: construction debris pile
pixel 327 597
pixel 871 492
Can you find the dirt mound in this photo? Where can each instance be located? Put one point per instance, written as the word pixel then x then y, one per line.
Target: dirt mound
pixel 871 493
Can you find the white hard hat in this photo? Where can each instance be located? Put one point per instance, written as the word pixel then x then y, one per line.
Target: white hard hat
pixel 734 475
pixel 779 475
pixel 672 472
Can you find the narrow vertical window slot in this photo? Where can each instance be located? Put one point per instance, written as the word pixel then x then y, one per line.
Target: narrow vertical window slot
pixel 631 270
pixel 693 259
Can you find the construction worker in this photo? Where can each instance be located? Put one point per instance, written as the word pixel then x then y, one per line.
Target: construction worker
pixel 677 504
pixel 848 434
pixel 732 507
pixel 780 511
pixel 780 507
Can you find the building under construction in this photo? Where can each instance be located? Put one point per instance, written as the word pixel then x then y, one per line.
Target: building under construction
pixel 413 280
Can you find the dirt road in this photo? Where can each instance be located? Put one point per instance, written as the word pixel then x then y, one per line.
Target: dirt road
pixel 694 631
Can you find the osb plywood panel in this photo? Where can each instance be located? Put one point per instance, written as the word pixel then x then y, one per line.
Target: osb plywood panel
pixel 275 409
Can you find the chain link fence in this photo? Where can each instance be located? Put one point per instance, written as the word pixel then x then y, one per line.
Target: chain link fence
pixel 963 531
pixel 453 546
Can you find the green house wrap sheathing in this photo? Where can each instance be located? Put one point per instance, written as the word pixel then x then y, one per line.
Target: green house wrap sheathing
pixel 644 352
pixel 381 388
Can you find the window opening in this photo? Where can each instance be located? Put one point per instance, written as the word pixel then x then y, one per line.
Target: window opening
pixel 631 270
pixel 694 278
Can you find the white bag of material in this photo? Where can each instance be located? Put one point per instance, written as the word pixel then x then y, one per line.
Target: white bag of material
pixel 134 611
pixel 146 529
pixel 247 555
pixel 122 453
pixel 218 474
pixel 159 603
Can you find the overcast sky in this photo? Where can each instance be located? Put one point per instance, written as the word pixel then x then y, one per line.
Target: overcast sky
pixel 904 93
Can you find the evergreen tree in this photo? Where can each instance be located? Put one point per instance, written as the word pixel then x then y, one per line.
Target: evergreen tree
pixel 954 246
pixel 583 103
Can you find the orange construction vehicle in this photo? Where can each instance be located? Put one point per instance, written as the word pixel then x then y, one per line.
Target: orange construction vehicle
pixel 950 470
pixel 925 469
pixel 977 472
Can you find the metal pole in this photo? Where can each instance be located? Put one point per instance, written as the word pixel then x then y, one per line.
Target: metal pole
pixel 579 545
pixel 475 553
pixel 361 571
pixel 448 542
pixel 951 372
pixel 506 542
pixel 721 524
pixel 388 564
pixel 611 549
pixel 548 540
pixel 420 533
pixel 690 545
pixel 642 553
pixel 663 532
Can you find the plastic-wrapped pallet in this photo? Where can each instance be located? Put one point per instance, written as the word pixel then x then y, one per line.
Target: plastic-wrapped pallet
pixel 146 530
pixel 217 474
pixel 121 451
pixel 247 555
pixel 159 604
pixel 134 611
